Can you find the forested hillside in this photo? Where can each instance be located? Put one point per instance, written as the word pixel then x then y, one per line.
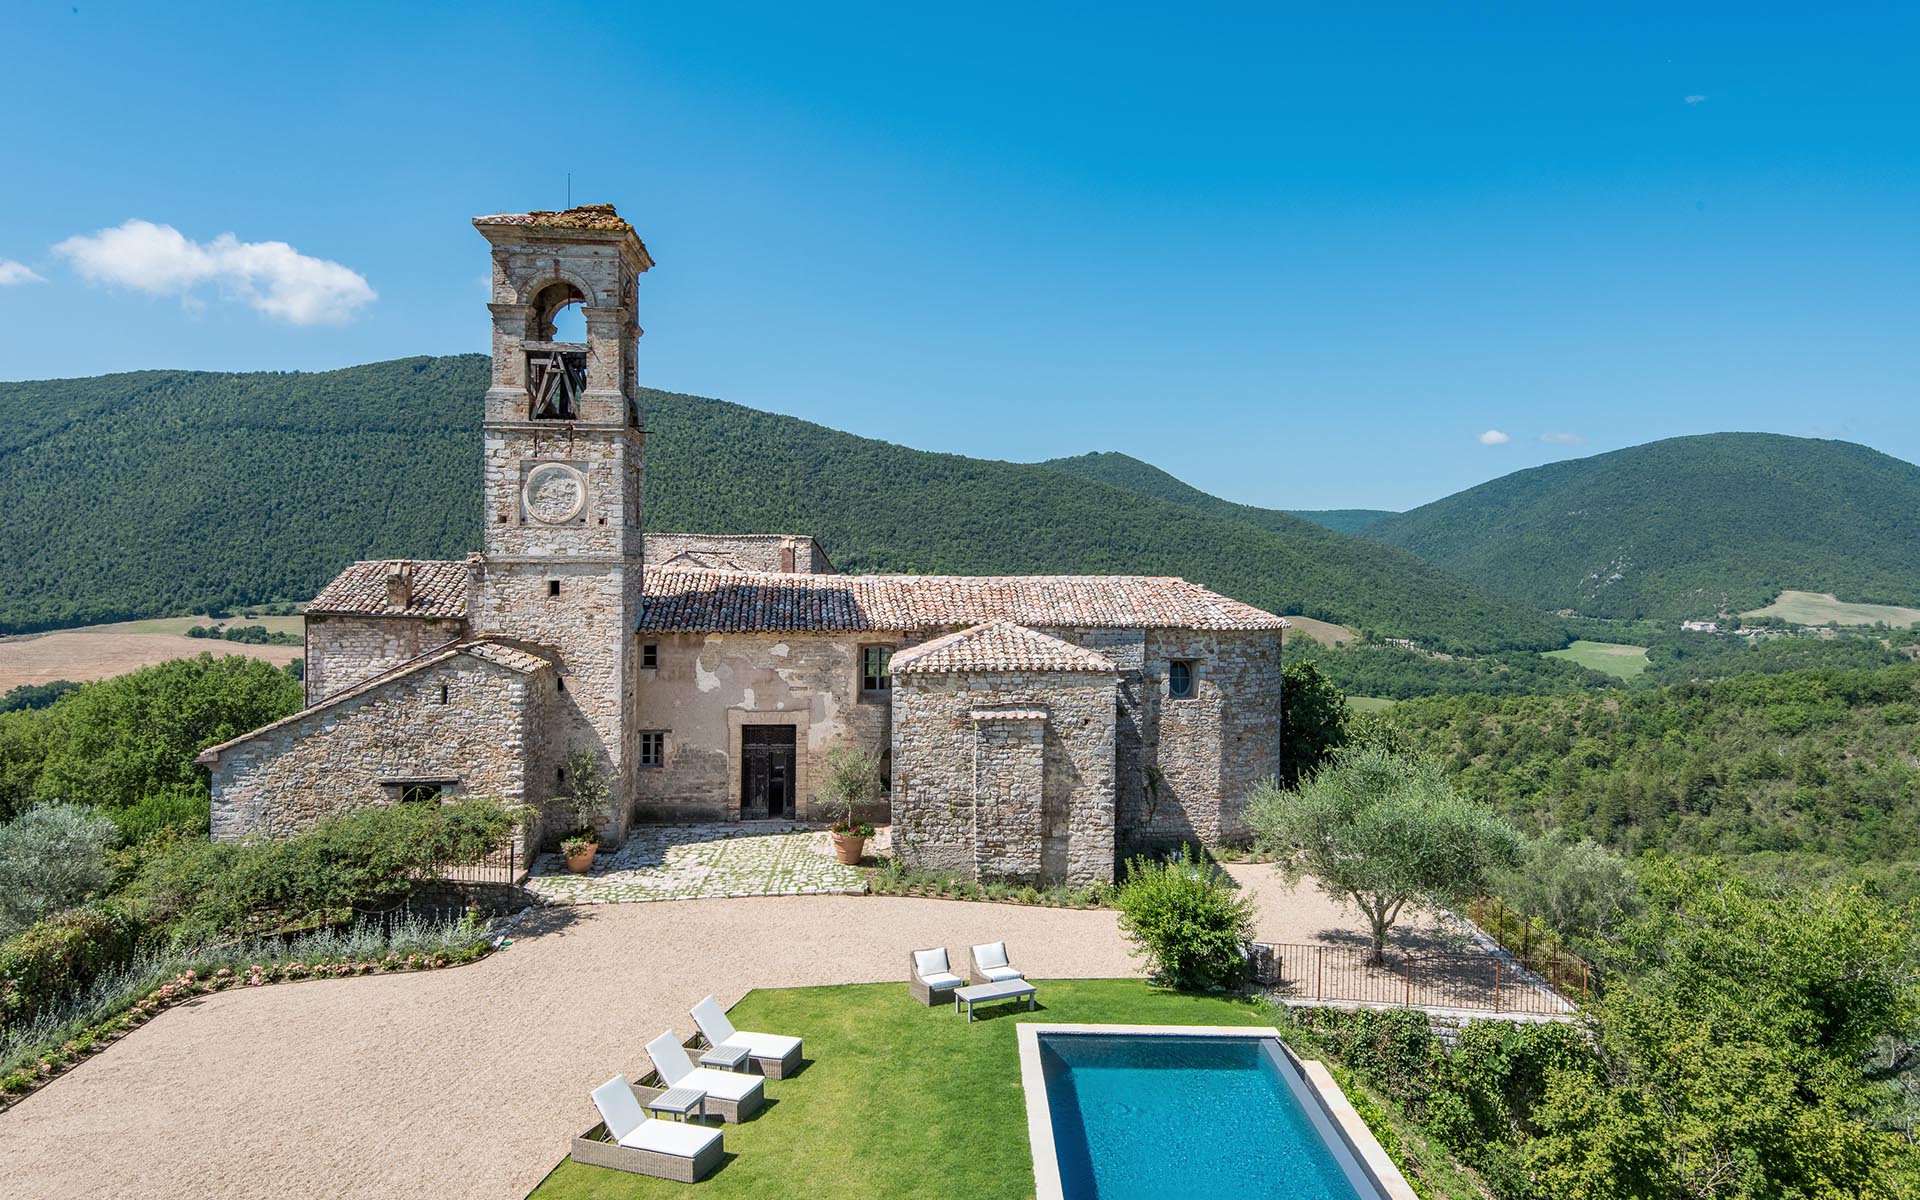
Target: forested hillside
pixel 1820 767
pixel 1686 527
pixel 1125 471
pixel 172 491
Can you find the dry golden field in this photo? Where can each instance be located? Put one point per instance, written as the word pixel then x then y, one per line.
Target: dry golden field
pixel 100 651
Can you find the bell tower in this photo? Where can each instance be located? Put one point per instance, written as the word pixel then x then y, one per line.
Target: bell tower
pixel 561 565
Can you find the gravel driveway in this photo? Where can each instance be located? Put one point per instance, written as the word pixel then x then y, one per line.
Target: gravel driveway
pixel 466 1082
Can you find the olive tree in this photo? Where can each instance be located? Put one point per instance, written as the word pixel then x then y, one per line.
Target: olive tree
pixel 1380 829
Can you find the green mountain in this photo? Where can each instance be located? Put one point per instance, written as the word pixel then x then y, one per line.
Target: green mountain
pixel 174 491
pixel 1122 470
pixel 1685 527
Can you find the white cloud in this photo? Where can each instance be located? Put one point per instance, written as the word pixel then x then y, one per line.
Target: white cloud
pixel 1493 437
pixel 1563 439
pixel 13 273
pixel 270 276
pixel 1696 99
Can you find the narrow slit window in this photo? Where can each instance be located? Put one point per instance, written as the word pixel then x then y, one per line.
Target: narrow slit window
pixel 553 587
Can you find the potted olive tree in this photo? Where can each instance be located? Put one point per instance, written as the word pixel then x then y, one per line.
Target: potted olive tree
pixel 585 791
pixel 853 779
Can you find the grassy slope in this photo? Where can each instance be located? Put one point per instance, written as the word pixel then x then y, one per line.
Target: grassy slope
pixel 174 491
pixel 1682 528
pixel 1814 608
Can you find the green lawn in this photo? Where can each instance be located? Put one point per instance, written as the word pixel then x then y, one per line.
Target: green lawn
pixel 1367 704
pixel 1613 658
pixel 897 1100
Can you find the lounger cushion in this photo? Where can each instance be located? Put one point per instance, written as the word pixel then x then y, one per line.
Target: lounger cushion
pixel 929 963
pixel 942 980
pixel 764 1045
pixel 993 954
pixel 678 1138
pixel 619 1107
pixel 669 1058
pixel 722 1085
pixel 712 1020
pixel 1000 974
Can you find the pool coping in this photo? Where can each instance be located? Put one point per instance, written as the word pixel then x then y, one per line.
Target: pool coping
pixel 1331 1112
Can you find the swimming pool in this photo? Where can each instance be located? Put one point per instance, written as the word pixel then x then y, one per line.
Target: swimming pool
pixel 1127 1113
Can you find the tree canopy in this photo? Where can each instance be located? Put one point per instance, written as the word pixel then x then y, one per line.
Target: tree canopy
pixel 1380 830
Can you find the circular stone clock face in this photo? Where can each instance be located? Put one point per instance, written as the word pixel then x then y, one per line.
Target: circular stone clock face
pixel 554 493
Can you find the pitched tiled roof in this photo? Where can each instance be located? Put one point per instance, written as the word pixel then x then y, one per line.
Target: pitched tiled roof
pixel 439 590
pixel 522 659
pixel 691 601
pixel 997 645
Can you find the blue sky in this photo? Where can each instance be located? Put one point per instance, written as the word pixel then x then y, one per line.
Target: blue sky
pixel 1299 255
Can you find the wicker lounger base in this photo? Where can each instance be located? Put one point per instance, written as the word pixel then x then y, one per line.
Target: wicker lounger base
pixel 735 1111
pixel 593 1149
pixel 776 1068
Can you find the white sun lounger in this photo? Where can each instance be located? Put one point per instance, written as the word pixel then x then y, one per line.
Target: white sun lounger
pixel 644 1146
pixel 733 1096
pixel 773 1055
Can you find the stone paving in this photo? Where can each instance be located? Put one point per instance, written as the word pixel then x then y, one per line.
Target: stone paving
pixel 687 862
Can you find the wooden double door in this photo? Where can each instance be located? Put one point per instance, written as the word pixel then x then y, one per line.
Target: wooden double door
pixel 767 772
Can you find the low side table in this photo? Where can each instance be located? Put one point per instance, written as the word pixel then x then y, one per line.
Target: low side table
pixel 681 1102
pixel 726 1058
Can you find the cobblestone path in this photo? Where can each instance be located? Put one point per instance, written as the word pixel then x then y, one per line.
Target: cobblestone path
pixel 685 862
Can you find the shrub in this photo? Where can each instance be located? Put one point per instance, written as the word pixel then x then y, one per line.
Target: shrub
pixel 52 856
pixel 1188 919
pixel 854 778
pixel 58 956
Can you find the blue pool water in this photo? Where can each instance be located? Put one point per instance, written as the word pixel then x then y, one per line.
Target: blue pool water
pixel 1140 1116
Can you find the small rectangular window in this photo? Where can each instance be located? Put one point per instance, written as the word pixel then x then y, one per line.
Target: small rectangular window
pixel 420 793
pixel 873 668
pixel 1181 679
pixel 553 587
pixel 653 749
pixel 650 655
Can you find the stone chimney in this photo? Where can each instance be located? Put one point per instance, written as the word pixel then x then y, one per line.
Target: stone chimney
pixel 399 584
pixel 787 547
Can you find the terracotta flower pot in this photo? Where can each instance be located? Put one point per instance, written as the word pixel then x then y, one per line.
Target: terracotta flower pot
pixel 580 861
pixel 847 848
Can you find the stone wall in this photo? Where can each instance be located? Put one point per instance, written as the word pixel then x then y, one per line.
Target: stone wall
pixel 707 687
pixel 586 624
pixel 1199 757
pixel 354 753
pixel 742 551
pixel 937 812
pixel 343 651
pixel 1009 786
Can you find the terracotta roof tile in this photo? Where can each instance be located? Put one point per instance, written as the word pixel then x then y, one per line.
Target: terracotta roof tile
pixel 1008 714
pixel 580 216
pixel 439 590
pixel 998 645
pixel 693 601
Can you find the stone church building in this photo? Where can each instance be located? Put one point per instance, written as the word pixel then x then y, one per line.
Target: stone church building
pixel 1034 728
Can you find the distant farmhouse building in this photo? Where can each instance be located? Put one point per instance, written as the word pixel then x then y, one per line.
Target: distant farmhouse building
pixel 1699 627
pixel 1035 728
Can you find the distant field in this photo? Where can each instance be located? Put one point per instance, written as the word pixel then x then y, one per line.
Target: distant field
pixel 1369 703
pixel 101 651
pixel 1817 608
pixel 1613 658
pixel 1324 632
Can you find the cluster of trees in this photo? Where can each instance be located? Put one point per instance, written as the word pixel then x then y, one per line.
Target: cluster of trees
pixel 124 747
pixel 35 695
pixel 1374 668
pixel 1816 766
pixel 383 461
pixel 1750 1037
pixel 251 635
